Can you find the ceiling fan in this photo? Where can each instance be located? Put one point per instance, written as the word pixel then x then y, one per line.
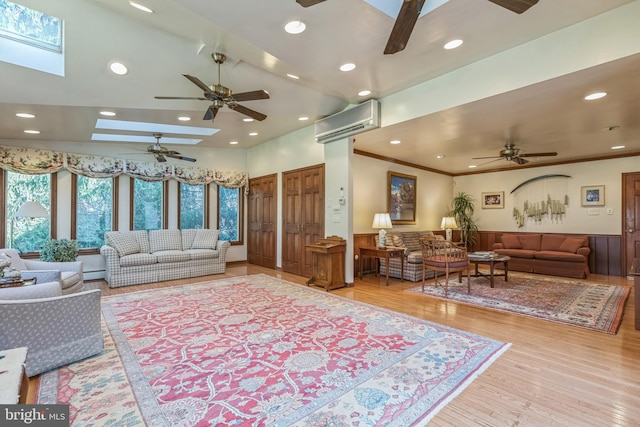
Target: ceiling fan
pixel 161 153
pixel 512 154
pixel 220 95
pixel 409 13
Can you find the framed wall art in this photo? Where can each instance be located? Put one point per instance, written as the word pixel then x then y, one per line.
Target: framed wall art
pixel 592 195
pixel 401 198
pixel 493 200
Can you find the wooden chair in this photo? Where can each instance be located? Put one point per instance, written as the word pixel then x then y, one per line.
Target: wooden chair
pixel 444 256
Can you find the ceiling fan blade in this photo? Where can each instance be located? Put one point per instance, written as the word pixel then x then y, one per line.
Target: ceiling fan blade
pixel 519 160
pixel 160 158
pixel 247 112
pixel 550 153
pixel 251 96
pixel 211 113
pixel 179 157
pixel 517 6
pixel 487 157
pixel 307 3
pixel 406 20
pixel 179 97
pixel 196 81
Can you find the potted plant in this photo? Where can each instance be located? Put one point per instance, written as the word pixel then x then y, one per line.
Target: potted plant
pixel 62 250
pixel 462 208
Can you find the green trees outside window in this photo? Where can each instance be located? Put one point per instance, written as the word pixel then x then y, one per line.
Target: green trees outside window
pixel 147 205
pixel 229 209
pixel 24 233
pixel 192 207
pixel 94 207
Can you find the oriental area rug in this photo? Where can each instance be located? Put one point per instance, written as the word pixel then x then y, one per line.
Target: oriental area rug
pixel 259 351
pixel 574 302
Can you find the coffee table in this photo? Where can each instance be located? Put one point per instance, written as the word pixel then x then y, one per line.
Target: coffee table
pixel 491 262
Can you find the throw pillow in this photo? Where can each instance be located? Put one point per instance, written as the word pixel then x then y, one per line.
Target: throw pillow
pixel 205 239
pixel 397 241
pixel 510 241
pixel 572 244
pixel 124 244
pixel 411 240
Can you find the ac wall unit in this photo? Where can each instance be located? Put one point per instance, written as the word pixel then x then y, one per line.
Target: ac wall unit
pixel 358 119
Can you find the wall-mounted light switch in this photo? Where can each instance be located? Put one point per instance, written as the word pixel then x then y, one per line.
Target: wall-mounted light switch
pixel 609 211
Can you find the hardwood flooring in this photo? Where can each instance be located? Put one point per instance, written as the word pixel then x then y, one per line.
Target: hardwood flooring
pixel 553 374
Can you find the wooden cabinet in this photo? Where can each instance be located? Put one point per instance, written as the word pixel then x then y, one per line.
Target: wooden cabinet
pixel 328 262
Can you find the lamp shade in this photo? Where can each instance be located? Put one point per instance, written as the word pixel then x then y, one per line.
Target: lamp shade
pixel 32 209
pixel 448 222
pixel 381 220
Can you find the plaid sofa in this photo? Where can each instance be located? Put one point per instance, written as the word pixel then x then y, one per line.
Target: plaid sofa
pixel 410 241
pixel 134 257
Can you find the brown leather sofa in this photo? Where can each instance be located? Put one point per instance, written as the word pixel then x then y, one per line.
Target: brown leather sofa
pixel 554 254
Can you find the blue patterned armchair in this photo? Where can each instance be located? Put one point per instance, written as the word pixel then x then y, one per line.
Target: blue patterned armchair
pixel 56 329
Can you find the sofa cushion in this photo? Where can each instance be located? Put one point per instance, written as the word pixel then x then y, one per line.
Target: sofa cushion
pixel 188 234
pixel 205 239
pixel 559 256
pixel 510 241
pixel 551 242
pixel 165 240
pixel 137 259
pixel 516 253
pixel 414 257
pixel 530 241
pixel 142 236
pixel 572 244
pixel 171 256
pixel 411 240
pixel 124 243
pixel 196 254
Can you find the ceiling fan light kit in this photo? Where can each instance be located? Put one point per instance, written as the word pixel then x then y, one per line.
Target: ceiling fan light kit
pixel 220 95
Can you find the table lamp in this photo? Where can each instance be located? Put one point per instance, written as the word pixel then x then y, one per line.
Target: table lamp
pixel 382 221
pixel 448 222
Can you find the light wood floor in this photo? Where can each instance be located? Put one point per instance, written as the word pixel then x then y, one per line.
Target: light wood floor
pixel 553 375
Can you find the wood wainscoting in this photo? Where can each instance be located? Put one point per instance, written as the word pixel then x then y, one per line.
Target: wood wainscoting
pixel 605 257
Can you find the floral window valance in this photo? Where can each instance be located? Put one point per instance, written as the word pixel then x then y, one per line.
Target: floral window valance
pixel 34 161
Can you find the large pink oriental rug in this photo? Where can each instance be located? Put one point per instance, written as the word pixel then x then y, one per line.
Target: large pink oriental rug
pixel 259 351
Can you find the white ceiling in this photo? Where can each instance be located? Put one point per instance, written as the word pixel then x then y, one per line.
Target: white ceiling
pixel 181 35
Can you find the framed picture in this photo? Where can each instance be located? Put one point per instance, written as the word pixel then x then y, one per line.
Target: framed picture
pixel 593 195
pixel 401 198
pixel 493 200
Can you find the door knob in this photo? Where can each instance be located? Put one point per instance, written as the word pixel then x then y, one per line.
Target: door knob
pixel 630 230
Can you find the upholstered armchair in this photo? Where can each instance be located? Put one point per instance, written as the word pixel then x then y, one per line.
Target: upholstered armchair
pixel 69 274
pixel 443 256
pixel 56 329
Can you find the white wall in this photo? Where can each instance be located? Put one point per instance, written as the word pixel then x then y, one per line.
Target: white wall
pixel 578 219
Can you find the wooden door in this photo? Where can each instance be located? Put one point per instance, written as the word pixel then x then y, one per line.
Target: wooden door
pixel 302 217
pixel 262 221
pixel 631 220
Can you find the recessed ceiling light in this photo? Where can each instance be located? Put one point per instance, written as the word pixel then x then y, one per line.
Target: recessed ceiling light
pixel 233 142
pixel 184 118
pixel 107 113
pixel 618 147
pixel 295 27
pixel 395 142
pixel 293 76
pixel 595 95
pixel 303 118
pixel 25 115
pixel 347 67
pixel 473 166
pixel 32 131
pixel 247 119
pixel 440 156
pixel 140 7
pixel 253 133
pixel 453 44
pixel 118 68
pixel 364 93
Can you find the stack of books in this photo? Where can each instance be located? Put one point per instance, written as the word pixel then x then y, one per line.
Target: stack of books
pixel 483 255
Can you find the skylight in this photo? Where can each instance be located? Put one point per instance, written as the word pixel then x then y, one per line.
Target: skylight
pixel 31 39
pixel 150 128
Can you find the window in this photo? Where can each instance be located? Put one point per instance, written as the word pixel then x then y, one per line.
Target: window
pixel 24 233
pixel 230 214
pixel 193 203
pixel 94 201
pixel 147 204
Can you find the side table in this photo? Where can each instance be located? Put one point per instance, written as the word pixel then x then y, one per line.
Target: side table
pixel 386 253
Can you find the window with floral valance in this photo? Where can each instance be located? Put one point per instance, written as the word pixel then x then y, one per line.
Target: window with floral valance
pixel 35 161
